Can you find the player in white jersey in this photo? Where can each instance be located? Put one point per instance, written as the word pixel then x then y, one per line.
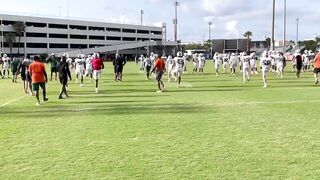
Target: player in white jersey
pixel 6 65
pixel 195 62
pixel 265 64
pixel 147 66
pixel 80 68
pixel 141 62
pixel 253 63
pixel 170 65
pixel 89 70
pixel 217 62
pixel 179 64
pixel 225 62
pixel 234 61
pixel 280 64
pixel 201 63
pixel 185 57
pixel 153 58
pixel 246 68
pixel 306 60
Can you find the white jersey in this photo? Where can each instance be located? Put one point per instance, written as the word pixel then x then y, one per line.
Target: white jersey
pixel 201 61
pixel 141 61
pixel 179 63
pixel 245 61
pixel 170 63
pixel 306 60
pixel 89 63
pixel 147 62
pixel 80 63
pixel 234 61
pixel 265 63
pixel 6 63
pixel 253 63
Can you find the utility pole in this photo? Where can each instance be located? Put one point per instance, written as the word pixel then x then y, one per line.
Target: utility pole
pixel 284 26
pixel 175 20
pixel 273 21
pixel 141 16
pixel 297 38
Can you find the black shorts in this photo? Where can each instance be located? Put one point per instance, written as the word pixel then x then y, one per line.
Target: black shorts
pixel 54 69
pixel 63 80
pixel 316 70
pixel 26 77
pixel 119 69
pixel 148 68
pixel 159 75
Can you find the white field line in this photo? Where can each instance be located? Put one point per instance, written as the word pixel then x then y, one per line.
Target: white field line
pixel 12 101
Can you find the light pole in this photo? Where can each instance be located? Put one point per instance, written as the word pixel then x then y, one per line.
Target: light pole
pixel 141 16
pixel 273 20
pixel 175 20
pixel 284 26
pixel 210 24
pixel 297 38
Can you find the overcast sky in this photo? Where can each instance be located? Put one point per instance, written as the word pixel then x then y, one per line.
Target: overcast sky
pixel 230 18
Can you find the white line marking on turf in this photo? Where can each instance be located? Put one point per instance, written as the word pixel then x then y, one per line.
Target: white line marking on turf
pixel 12 101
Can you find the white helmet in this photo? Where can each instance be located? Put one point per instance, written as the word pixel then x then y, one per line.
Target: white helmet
pixel 79 56
pixel 179 53
pixel 5 55
pixel 52 54
pixel 244 53
pixel 96 55
pixel 169 57
pixel 142 55
pixel 233 54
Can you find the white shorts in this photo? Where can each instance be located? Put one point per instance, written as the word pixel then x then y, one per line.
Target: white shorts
pixel 6 66
pixel 179 72
pixel 265 70
pixel 97 74
pixel 280 66
pixel 217 65
pixel 80 71
pixel 89 71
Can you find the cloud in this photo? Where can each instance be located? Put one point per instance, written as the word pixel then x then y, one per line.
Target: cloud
pixel 232 28
pixel 222 7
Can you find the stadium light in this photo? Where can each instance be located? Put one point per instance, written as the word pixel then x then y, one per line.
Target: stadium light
pixel 284 26
pixel 141 16
pixel 297 38
pixel 210 24
pixel 175 20
pixel 273 21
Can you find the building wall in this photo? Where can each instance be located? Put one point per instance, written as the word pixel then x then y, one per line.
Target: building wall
pixel 229 45
pixel 48 35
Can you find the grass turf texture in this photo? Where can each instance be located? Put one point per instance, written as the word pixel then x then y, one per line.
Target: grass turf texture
pixel 210 128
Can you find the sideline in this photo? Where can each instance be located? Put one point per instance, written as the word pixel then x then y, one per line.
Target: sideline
pixel 12 101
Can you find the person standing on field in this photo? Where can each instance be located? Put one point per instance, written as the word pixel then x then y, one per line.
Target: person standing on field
pixel 160 68
pixel 97 66
pixel 316 70
pixel 64 73
pixel 39 78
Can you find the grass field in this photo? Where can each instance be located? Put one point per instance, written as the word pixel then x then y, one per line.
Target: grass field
pixel 208 129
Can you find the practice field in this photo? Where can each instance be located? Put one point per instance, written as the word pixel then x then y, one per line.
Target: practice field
pixel 211 128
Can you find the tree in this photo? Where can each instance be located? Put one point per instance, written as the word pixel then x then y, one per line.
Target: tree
pixel 10 39
pixel 19 28
pixel 248 35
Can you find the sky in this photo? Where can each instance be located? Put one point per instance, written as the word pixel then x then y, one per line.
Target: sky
pixel 230 18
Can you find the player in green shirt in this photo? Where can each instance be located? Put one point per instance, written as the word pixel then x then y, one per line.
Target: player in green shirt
pixel 14 69
pixel 54 62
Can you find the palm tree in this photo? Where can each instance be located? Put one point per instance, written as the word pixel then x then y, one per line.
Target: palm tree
pixel 10 39
pixel 19 28
pixel 248 35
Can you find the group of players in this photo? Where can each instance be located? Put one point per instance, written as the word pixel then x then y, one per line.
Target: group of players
pixel 91 66
pixel 270 61
pixel 174 67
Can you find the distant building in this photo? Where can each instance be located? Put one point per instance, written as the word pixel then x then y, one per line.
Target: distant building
pixel 49 35
pixel 229 45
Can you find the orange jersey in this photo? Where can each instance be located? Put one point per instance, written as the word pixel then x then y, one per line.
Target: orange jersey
pixel 316 63
pixel 37 71
pixel 160 65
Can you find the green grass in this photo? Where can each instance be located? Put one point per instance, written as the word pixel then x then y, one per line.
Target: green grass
pixel 209 129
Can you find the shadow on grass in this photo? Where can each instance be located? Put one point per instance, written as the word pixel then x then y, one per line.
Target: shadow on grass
pixel 65 111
